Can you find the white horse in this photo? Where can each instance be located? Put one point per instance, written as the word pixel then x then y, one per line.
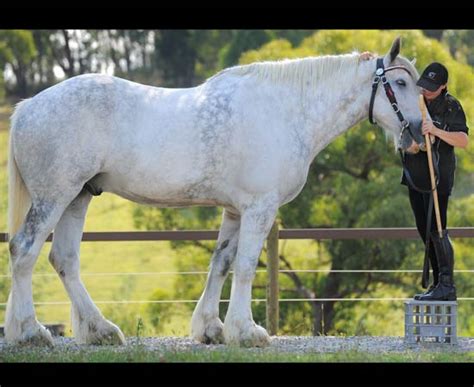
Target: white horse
pixel 243 140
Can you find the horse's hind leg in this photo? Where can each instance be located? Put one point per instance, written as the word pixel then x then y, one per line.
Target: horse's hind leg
pixel 89 325
pixel 206 327
pixel 21 325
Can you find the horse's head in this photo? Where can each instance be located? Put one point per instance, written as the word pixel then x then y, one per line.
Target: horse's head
pixel 395 106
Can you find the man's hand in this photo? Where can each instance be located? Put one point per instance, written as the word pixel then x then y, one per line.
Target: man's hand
pixel 366 55
pixel 429 128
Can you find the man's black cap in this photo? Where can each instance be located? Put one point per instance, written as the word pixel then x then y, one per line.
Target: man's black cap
pixel 433 77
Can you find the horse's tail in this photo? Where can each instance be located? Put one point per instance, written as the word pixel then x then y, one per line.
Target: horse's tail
pixel 19 199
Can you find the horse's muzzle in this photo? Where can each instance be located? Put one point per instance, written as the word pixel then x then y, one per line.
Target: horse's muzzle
pixel 411 140
pixel 407 144
pixel 414 148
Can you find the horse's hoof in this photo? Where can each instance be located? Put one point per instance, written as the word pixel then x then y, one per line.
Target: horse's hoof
pixel 37 335
pixel 102 332
pixel 250 336
pixel 208 332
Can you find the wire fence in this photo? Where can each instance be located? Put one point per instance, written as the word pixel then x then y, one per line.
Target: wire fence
pixel 158 273
pixel 272 300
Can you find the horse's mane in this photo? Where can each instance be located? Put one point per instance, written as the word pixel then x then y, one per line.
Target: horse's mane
pixel 299 71
pixel 309 71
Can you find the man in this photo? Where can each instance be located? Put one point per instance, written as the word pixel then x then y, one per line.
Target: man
pixel 448 126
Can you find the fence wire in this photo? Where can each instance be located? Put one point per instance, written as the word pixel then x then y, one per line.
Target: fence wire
pixel 157 273
pixel 362 299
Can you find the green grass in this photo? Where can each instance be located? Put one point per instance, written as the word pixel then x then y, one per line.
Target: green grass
pixel 140 354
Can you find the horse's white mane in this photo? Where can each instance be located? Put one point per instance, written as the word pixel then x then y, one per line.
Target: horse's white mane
pixel 300 71
pixel 309 71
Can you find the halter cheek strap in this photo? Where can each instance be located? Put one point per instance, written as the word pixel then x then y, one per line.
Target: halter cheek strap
pixel 380 76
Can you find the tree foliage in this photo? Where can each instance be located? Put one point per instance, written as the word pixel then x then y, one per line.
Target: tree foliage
pixel 17 49
pixel 354 182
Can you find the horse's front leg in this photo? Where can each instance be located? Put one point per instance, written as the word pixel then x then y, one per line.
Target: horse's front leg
pixel 206 326
pixel 239 327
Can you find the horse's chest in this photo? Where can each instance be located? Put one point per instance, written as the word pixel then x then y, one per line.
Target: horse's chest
pixel 292 185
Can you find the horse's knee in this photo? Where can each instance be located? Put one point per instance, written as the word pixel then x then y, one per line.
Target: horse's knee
pixel 246 268
pixel 24 246
pixel 64 264
pixel 21 254
pixel 224 256
pixel 227 264
pixel 56 263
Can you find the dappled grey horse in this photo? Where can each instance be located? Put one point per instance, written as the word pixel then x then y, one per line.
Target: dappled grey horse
pixel 243 140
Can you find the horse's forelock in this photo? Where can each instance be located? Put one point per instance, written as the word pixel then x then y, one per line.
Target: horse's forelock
pixel 402 61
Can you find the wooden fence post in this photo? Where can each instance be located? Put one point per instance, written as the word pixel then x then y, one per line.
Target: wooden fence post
pixel 272 280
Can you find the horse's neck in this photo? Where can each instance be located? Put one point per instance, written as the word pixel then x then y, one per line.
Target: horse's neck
pixel 337 111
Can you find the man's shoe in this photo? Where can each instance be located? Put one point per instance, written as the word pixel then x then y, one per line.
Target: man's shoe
pixel 444 291
pixel 429 290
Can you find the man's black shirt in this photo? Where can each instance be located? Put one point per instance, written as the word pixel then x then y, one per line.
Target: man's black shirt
pixel 447 114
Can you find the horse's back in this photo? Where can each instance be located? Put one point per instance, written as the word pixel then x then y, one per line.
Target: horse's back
pixel 65 127
pixel 200 144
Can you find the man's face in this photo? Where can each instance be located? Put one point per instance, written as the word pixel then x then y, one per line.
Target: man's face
pixel 430 95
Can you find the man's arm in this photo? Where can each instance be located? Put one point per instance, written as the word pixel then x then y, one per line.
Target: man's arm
pixel 456 139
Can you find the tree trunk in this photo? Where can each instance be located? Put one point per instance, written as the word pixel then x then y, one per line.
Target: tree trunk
pixel 21 81
pixel 176 57
pixel 69 67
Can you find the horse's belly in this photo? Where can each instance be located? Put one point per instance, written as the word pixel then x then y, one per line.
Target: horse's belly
pixel 168 201
pixel 157 193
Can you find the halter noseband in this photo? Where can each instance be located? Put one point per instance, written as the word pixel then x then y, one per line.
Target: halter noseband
pixel 380 76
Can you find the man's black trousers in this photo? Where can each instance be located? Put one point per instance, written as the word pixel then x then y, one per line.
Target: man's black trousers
pixel 419 204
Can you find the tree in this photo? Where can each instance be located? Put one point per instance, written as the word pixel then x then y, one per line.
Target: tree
pixel 176 57
pixel 43 64
pixel 354 182
pixel 241 41
pixel 461 44
pixel 434 34
pixel 17 49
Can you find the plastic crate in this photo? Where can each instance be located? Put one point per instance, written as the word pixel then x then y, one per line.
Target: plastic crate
pixel 430 322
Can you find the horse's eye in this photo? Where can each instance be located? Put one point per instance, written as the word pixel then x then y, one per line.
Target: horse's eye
pixel 401 82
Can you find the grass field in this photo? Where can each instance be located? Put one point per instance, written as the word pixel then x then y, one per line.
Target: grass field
pixel 282 349
pixel 138 354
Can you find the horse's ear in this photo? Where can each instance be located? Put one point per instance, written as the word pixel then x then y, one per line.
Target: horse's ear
pixel 395 50
pixel 413 61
